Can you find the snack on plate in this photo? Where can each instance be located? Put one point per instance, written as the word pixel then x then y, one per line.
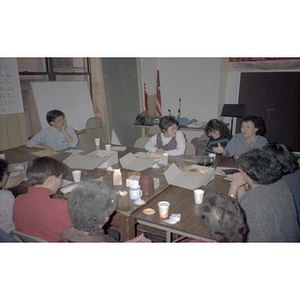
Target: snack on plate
pixel 196 171
pixel 203 172
pixel 149 211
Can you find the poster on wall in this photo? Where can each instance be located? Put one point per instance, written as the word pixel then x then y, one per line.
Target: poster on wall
pixel 10 90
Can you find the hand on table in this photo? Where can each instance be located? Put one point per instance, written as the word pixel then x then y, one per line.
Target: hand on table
pixel 160 151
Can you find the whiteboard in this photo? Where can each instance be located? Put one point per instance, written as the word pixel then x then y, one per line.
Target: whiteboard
pixel 71 97
pixel 10 91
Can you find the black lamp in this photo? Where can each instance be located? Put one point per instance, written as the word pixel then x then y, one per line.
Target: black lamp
pixel 233 111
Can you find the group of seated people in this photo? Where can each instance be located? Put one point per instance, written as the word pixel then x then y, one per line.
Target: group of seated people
pixel 262 205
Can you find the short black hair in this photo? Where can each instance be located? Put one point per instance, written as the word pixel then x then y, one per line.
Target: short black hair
pixel 43 167
pixel 53 114
pixel 90 205
pixel 260 166
pixel 167 121
pixel 3 168
pixel 215 124
pixel 223 218
pixel 258 123
pixel 283 156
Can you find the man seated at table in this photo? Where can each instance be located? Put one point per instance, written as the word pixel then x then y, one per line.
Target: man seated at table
pixel 36 213
pixel 90 206
pixel 58 136
pixel 223 218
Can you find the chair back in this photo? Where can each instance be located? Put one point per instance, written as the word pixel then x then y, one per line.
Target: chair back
pixel 23 237
pixel 189 149
pixel 94 129
pixel 141 142
pixel 153 130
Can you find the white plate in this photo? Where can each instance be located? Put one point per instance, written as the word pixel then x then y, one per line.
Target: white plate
pixel 139 202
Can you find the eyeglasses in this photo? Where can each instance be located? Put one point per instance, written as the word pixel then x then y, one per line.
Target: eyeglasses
pixel 174 128
pixel 60 119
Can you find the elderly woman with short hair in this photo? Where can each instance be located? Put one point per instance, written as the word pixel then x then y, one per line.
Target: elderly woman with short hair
pixel 223 218
pixel 90 206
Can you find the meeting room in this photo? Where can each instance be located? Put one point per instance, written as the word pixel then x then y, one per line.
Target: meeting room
pixel 152 150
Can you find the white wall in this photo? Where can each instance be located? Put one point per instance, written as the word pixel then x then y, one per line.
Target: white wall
pixel 199 82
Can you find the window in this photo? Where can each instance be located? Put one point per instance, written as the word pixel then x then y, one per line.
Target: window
pixel 48 69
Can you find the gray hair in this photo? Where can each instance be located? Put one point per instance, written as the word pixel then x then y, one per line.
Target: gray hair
pixel 90 205
pixel 223 218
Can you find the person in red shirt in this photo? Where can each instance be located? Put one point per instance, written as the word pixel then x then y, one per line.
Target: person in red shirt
pixel 36 213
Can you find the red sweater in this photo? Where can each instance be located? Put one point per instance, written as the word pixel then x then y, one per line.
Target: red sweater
pixel 35 213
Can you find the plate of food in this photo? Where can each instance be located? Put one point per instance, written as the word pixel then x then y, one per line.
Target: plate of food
pixel 149 211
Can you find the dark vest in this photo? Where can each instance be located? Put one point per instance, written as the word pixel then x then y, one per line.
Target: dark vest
pixel 170 146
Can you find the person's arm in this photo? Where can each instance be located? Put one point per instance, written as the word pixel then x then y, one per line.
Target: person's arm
pixel 237 186
pixel 70 136
pixel 180 145
pixel 14 181
pixel 151 144
pixel 36 142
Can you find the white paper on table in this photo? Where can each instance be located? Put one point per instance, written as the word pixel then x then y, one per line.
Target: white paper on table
pixel 173 219
pixel 74 151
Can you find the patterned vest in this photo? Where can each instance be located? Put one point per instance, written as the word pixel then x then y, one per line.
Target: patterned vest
pixel 170 146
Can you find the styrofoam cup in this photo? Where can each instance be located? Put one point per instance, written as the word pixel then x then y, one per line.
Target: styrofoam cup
pixel 198 196
pixel 76 175
pixel 107 147
pixel 97 142
pixel 212 155
pixel 163 207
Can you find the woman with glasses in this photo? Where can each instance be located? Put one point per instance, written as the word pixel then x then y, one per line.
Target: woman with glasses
pixel 170 140
pixel 57 136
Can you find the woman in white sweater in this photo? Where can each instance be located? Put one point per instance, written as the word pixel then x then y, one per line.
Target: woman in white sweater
pixel 170 140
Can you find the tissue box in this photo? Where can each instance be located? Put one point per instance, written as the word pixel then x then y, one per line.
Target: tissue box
pixel 132 180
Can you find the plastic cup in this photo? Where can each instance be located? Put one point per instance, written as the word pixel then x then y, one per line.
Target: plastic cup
pixel 107 147
pixel 198 196
pixel 97 142
pixel 163 207
pixel 2 156
pixel 76 175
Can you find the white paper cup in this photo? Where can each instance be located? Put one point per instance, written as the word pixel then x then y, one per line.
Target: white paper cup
pixel 212 155
pixel 2 156
pixel 107 147
pixel 163 207
pixel 198 196
pixel 76 175
pixel 97 142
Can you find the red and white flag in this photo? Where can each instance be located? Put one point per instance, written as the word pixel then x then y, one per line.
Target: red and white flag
pixel 146 98
pixel 158 96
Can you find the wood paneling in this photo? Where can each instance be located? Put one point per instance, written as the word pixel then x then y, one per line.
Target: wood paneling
pixel 13 131
pixel 99 95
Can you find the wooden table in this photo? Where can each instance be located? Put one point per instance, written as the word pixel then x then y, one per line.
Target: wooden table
pixel 120 220
pixel 182 201
pixel 123 219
